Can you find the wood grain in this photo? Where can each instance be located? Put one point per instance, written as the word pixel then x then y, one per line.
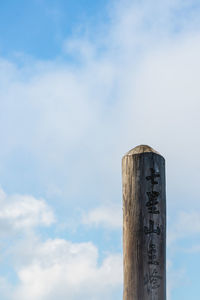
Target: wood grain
pixel 144 224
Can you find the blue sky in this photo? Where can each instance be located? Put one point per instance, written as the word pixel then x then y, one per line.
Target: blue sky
pixel 38 28
pixel 81 83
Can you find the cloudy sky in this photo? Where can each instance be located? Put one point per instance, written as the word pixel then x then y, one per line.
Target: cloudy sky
pixel 81 83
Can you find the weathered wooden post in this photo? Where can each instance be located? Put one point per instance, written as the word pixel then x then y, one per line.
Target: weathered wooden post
pixel 144 224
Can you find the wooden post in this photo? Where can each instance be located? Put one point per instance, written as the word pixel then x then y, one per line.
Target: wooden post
pixel 144 224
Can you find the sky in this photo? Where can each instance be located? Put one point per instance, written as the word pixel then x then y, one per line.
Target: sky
pixel 81 83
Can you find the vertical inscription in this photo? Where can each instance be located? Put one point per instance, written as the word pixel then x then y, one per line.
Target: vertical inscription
pixel 152 255
pixel 153 278
pixel 152 177
pixel 152 228
pixel 153 201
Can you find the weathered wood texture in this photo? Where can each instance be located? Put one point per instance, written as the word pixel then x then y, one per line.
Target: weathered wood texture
pixel 144 224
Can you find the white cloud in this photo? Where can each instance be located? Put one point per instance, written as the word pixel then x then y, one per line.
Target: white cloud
pixel 23 212
pixel 55 268
pixel 80 119
pixel 137 83
pixel 58 269
pixel 109 216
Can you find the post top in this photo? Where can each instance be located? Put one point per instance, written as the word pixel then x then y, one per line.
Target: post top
pixel 141 149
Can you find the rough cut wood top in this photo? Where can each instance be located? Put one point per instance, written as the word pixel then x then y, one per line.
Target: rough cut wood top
pixel 141 149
